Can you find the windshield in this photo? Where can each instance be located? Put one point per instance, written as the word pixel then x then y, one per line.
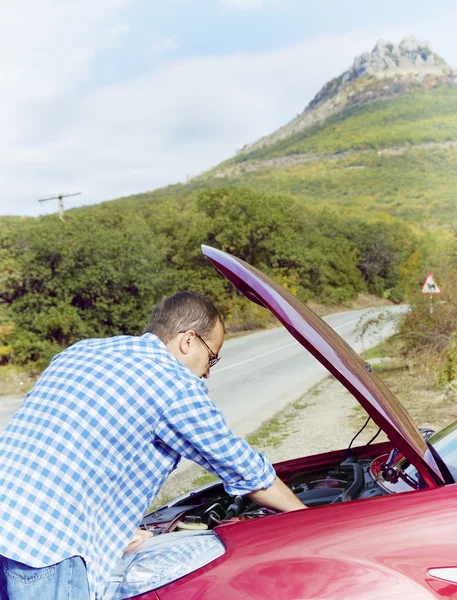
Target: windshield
pixel 445 443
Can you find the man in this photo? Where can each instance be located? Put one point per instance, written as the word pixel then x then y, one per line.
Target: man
pixel 94 441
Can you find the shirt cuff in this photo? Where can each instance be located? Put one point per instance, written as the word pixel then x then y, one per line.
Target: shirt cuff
pixel 264 477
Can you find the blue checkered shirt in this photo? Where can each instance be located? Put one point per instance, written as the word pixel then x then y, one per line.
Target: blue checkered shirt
pixel 92 444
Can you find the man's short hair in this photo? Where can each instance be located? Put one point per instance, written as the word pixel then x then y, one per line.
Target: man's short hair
pixel 183 311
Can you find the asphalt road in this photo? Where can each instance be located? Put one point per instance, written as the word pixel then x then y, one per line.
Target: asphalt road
pixel 260 374
pixel 8 406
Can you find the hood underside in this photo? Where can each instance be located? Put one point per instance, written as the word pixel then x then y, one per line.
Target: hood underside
pixel 336 355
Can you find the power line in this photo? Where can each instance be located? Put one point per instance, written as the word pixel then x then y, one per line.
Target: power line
pixel 60 199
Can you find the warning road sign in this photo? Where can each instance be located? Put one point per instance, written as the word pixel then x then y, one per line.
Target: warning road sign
pixel 430 286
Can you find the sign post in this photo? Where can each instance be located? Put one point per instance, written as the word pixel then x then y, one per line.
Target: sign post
pixel 431 288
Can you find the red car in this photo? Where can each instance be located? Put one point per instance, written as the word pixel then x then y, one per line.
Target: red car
pixel 382 522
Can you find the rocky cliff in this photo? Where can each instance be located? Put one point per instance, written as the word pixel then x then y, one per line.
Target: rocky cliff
pixel 387 70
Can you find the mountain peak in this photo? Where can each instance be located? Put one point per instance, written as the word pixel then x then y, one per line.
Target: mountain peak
pixel 407 65
pixel 409 54
pixel 387 60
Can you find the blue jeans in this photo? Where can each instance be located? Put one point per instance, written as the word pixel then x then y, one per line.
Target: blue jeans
pixel 67 580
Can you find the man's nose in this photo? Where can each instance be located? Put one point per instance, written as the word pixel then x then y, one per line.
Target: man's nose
pixel 207 373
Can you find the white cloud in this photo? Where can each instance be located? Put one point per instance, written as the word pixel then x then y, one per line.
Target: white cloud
pixel 175 121
pixel 179 119
pixel 47 50
pixel 162 45
pixel 118 31
pixel 242 4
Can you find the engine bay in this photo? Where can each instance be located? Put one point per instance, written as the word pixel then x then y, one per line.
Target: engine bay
pixel 210 506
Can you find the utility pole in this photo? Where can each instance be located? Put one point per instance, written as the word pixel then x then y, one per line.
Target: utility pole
pixel 60 199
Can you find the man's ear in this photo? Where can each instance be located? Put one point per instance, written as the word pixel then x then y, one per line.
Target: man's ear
pixel 186 341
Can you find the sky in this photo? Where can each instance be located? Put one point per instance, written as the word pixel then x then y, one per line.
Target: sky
pixel 115 97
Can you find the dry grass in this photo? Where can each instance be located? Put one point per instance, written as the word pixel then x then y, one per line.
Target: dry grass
pixel 363 300
pixel 415 388
pixel 413 382
pixel 15 380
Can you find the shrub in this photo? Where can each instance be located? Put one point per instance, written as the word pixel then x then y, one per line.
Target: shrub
pixel 448 370
pixel 396 294
pixel 432 321
pixel 27 347
pixel 5 354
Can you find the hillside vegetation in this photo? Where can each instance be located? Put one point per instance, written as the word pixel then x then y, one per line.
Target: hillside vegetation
pixel 102 271
pixel 396 157
pixel 427 113
pixel 418 186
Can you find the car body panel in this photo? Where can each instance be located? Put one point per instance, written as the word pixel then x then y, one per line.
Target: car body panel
pixel 336 355
pixel 352 550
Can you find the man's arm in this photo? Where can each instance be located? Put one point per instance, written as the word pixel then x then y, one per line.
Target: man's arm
pixel 278 497
pixel 193 427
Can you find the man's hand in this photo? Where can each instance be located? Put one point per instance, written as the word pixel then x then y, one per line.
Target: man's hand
pixel 139 537
pixel 278 497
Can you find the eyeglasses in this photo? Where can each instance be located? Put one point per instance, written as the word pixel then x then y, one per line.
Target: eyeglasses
pixel 213 357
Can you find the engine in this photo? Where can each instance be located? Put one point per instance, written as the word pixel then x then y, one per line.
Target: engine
pixel 208 507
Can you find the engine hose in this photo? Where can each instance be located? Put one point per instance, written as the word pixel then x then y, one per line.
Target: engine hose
pixel 233 511
pixel 355 487
pixel 213 519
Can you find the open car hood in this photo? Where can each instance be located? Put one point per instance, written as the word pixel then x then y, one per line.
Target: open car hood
pixel 336 355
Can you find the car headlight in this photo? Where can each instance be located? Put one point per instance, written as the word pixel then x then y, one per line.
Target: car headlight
pixel 161 560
